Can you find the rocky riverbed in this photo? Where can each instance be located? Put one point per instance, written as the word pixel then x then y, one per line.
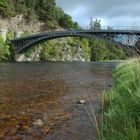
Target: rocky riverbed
pixel 52 101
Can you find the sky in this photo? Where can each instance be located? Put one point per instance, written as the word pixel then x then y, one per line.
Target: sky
pixel 110 12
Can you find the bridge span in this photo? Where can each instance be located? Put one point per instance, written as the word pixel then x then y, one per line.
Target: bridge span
pixel 123 38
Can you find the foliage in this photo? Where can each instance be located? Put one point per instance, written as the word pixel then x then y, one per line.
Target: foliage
pixel 54 49
pixel 121 105
pixel 4 51
pixel 101 50
pixel 98 50
pixel 3 6
pixel 32 10
pixel 86 49
pixel 51 50
pixel 66 22
pixel 94 50
pixel 46 9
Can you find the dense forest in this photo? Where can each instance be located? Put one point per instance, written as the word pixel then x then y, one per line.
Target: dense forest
pixel 54 17
pixel 43 10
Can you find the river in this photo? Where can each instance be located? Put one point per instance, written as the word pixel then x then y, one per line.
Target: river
pixel 39 101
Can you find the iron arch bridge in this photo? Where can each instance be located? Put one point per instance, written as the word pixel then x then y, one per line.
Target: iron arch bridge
pixel 122 38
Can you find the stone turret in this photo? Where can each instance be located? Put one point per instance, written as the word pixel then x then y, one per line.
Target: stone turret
pixel 18 57
pixel 17 34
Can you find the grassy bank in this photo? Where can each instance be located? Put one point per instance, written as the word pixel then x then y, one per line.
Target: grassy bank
pixel 121 105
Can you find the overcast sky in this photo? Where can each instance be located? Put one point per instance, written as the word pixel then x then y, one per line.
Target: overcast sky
pixel 111 12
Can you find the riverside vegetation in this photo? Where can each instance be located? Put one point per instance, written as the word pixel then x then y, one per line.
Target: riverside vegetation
pixel 91 50
pixel 54 17
pixel 5 52
pixel 121 105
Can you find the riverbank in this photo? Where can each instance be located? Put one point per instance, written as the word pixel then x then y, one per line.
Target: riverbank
pixel 121 105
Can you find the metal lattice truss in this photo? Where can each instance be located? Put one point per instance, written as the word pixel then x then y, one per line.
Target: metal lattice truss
pixel 121 38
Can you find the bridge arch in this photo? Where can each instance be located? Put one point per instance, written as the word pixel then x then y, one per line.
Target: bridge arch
pixel 23 44
pixel 43 39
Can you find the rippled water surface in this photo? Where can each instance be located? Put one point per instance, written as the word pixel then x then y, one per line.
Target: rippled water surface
pixel 39 100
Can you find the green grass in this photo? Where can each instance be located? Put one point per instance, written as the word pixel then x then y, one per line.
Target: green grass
pixel 121 105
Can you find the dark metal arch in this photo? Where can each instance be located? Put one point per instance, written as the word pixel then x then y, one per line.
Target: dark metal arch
pixel 39 40
pixel 23 44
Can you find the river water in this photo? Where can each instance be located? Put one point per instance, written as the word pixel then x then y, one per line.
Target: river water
pixel 39 101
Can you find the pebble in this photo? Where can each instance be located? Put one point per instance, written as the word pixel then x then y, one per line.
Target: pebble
pixel 81 102
pixel 46 130
pixel 38 123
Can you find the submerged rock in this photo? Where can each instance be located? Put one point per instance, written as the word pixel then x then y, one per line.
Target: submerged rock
pixel 81 102
pixel 46 130
pixel 38 123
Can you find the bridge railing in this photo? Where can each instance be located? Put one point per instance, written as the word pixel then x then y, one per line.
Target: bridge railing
pixel 126 28
pixel 112 28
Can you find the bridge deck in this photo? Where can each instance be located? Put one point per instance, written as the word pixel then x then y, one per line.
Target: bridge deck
pixel 105 31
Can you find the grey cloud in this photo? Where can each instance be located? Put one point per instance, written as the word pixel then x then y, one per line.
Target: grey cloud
pixel 109 10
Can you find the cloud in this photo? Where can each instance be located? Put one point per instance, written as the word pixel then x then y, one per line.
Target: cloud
pixel 111 12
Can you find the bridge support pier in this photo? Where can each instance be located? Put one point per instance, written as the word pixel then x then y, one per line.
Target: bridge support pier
pixel 19 57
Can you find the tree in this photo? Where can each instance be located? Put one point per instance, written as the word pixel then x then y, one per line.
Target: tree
pixel 76 25
pixel 3 6
pixel 7 8
pixel 59 13
pixel 32 4
pixel 98 50
pixel 86 49
pixel 4 51
pixel 101 50
pixel 31 15
pixel 66 21
pixel 46 10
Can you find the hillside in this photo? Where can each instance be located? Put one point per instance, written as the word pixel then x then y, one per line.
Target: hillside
pixel 32 11
pixel 33 16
